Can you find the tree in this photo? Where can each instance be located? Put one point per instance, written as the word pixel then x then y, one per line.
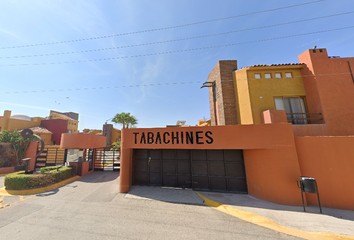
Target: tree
pixel 132 121
pixel 116 146
pixel 125 119
pixel 18 144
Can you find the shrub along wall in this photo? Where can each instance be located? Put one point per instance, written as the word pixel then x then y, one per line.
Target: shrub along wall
pixel 47 177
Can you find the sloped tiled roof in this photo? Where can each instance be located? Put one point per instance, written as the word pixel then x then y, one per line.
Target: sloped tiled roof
pixel 99 134
pixel 90 131
pixel 63 116
pixel 38 130
pixel 275 65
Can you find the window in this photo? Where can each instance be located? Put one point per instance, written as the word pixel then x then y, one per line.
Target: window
pixel 51 117
pixel 267 75
pixel 278 75
pixel 257 76
pixel 288 75
pixel 295 108
pixel 69 131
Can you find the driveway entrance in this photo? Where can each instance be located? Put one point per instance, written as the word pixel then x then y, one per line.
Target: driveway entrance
pixel 107 160
pixel 206 170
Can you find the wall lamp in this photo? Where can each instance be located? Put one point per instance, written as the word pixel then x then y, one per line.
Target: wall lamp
pixel 208 84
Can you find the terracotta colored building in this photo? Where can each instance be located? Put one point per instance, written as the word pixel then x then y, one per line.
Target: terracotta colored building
pixel 57 127
pixel 71 117
pixel 271 124
pixel 50 129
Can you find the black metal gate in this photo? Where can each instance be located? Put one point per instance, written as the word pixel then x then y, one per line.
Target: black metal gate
pixel 208 170
pixel 106 160
pixel 89 158
pixel 51 157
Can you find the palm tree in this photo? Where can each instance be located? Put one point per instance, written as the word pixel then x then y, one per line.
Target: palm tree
pixel 125 119
pixel 132 121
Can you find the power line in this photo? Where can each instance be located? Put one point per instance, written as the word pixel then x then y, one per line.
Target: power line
pixel 161 29
pixel 160 84
pixel 176 40
pixel 176 51
pixel 101 88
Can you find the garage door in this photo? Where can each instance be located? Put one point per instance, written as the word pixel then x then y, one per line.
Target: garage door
pixel 208 170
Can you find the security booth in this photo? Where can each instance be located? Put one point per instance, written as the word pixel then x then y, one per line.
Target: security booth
pixel 81 150
pixel 257 159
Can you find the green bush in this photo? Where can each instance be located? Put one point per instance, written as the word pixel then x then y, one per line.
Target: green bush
pixel 47 177
pixel 47 169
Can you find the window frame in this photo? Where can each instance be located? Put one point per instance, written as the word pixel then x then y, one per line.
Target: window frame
pixel 291 75
pixel 267 74
pixel 303 112
pixel 275 75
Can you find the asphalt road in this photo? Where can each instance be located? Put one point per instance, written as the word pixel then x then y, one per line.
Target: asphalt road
pixel 92 208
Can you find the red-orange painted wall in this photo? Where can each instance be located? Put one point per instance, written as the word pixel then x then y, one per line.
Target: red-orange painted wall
pixel 30 153
pixel 75 164
pixel 6 170
pixel 81 141
pixel 85 169
pixel 329 89
pixel 330 161
pixel 269 152
pixel 274 116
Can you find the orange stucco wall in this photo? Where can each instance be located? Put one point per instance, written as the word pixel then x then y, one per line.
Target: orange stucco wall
pixel 329 89
pixel 269 152
pixel 274 116
pixel 330 161
pixel 85 169
pixel 30 153
pixel 81 141
pixel 302 130
pixel 75 164
pixel 6 170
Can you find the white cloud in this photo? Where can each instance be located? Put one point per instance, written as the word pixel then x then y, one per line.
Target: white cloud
pixel 27 106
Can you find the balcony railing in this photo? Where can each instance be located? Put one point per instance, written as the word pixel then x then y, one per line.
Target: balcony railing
pixel 304 118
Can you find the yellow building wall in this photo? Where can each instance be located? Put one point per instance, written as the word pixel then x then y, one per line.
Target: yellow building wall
pixel 242 96
pixel 4 123
pixel 47 138
pixel 262 91
pixel 203 123
pixel 94 132
pixel 73 126
pixel 116 135
pixel 22 124
pixel 16 124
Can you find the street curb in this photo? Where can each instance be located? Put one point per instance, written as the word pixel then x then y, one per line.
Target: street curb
pixel 267 223
pixel 4 192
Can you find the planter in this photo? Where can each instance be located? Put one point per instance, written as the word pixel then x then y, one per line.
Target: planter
pixel 6 170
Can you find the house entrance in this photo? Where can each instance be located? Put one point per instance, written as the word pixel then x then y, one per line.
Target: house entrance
pixel 206 170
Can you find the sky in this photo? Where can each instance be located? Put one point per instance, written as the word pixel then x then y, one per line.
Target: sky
pixel 150 58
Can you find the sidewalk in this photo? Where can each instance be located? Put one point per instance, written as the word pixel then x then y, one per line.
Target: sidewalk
pixel 332 220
